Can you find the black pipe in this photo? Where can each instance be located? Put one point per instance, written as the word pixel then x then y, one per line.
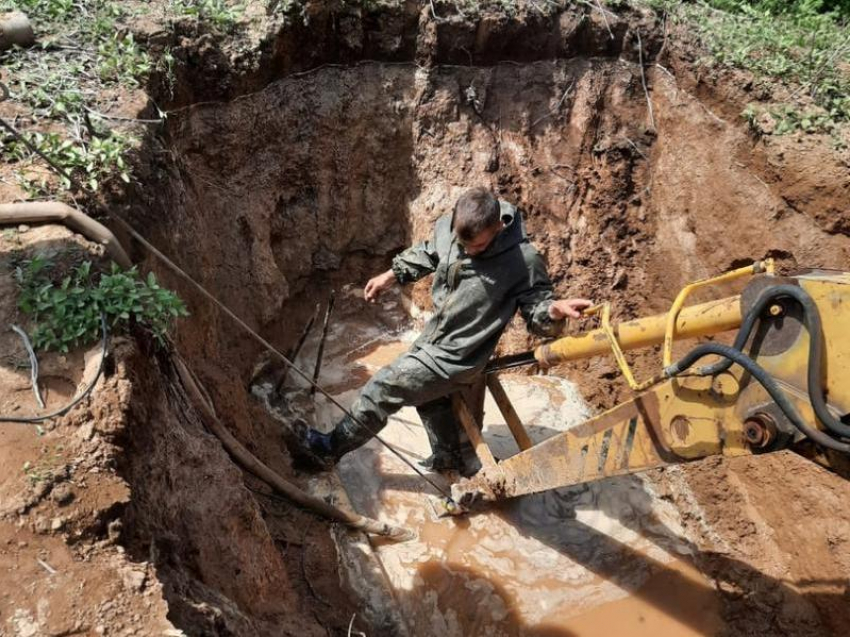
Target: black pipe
pixel 321 351
pixel 767 295
pixel 510 361
pixel 293 353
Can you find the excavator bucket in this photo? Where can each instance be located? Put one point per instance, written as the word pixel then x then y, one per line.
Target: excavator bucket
pixel 626 439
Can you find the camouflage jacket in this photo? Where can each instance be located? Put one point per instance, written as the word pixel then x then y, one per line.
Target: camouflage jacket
pixel 476 297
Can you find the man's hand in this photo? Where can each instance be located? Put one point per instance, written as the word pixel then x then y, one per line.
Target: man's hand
pixel 568 308
pixel 378 284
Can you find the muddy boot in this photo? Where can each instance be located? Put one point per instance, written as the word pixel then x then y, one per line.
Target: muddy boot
pixel 442 462
pixel 466 465
pixel 311 450
pixel 442 430
pixel 469 462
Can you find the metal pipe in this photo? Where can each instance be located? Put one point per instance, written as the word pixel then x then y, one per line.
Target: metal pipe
pixel 293 353
pixel 704 319
pixel 15 30
pixel 321 352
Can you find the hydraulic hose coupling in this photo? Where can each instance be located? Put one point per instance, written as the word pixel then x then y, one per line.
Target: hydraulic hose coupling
pixel 452 508
pixel 765 266
pixel 544 356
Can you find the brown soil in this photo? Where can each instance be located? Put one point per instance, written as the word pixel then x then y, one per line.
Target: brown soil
pixel 65 571
pixel 301 167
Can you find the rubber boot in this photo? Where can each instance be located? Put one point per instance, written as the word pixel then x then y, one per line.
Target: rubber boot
pixel 443 461
pixel 470 464
pixel 311 450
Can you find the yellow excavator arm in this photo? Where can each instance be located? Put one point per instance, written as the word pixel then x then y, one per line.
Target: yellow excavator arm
pixel 781 385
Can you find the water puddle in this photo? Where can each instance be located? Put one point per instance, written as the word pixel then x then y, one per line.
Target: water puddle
pixel 604 558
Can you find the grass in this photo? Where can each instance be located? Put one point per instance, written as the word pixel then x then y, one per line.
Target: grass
pixel 89 161
pixel 38 473
pixel 221 15
pixel 81 43
pixel 83 53
pixel 802 44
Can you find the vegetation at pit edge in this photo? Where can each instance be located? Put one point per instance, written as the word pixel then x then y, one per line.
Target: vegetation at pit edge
pixel 82 54
pixel 66 312
pixel 220 15
pixel 86 53
pixel 803 44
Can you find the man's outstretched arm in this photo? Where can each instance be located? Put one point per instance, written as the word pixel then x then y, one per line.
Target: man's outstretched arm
pixel 568 308
pixel 408 266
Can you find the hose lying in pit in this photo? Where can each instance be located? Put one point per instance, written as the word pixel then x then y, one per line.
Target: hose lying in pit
pixel 812 322
pixel 251 463
pixel 57 212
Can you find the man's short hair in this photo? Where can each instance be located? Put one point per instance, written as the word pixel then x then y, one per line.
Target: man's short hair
pixel 476 210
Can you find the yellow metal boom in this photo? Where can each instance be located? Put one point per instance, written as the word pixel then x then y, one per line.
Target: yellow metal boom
pixel 677 417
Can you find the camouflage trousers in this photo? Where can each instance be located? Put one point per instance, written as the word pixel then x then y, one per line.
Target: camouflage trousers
pixel 404 382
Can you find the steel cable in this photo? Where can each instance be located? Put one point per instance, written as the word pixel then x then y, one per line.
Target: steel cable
pixel 209 296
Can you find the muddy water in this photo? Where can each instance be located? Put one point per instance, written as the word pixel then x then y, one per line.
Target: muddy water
pixel 605 558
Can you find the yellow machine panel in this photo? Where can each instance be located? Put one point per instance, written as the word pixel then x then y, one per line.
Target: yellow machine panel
pixel 764 398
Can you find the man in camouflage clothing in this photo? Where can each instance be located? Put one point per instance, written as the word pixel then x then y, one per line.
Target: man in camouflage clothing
pixel 484 270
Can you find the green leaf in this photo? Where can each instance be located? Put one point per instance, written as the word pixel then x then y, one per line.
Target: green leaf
pixel 69 315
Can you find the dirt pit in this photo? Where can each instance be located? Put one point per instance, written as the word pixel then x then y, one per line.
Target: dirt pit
pixel 310 184
pixel 307 177
pixel 574 561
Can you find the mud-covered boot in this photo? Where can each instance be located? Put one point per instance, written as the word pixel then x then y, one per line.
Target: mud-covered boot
pixel 464 464
pixel 311 450
pixel 442 462
pixel 469 462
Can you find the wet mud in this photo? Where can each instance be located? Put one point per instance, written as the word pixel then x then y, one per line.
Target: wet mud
pixel 565 562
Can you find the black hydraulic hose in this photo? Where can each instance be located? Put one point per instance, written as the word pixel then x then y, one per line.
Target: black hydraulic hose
pixel 104 345
pixel 743 333
pixel 766 381
pixel 510 361
pixel 812 322
pixel 768 295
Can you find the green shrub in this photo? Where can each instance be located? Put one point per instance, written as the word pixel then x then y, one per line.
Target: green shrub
pixel 121 61
pixel 67 313
pixel 90 162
